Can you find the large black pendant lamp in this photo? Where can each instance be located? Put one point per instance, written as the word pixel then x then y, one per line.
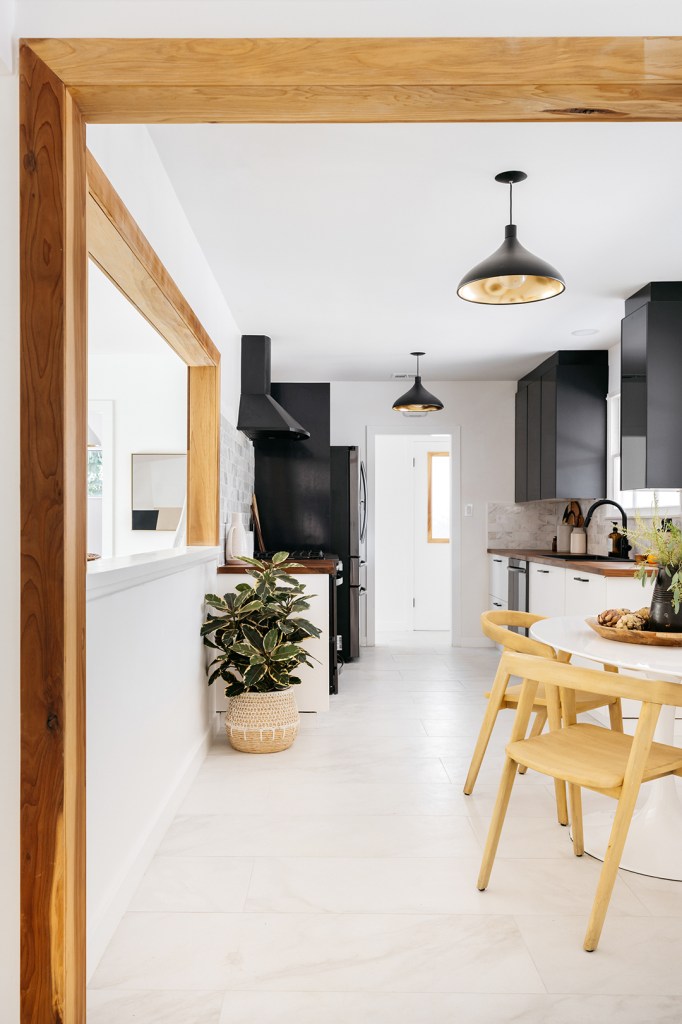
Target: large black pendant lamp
pixel 511 274
pixel 417 399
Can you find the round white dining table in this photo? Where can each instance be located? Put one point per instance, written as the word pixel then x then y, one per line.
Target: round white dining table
pixel 654 843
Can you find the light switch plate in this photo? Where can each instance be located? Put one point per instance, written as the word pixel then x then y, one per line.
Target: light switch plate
pixel 468 510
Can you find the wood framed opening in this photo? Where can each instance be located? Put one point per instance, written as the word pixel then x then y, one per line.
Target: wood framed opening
pixel 63 85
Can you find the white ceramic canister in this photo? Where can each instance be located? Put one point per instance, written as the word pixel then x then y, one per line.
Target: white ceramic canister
pixel 579 541
pixel 236 543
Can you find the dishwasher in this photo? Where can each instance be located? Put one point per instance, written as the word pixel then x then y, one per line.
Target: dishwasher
pixel 517 593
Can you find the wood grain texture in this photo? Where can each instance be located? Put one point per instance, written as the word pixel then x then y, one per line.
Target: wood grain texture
pixel 371 80
pixel 122 252
pixel 203 457
pixel 53 530
pixel 362 61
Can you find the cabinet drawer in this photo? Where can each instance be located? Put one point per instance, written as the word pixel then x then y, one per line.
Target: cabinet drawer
pixel 497 568
pixel 585 593
pixel 546 585
pixel 496 604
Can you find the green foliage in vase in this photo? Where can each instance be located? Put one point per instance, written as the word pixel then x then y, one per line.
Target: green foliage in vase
pixel 259 631
pixel 661 539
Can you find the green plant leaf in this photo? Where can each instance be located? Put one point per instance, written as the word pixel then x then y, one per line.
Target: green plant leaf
pixel 245 649
pixel 253 636
pixel 254 674
pixel 270 641
pixel 307 626
pixel 257 659
pixel 285 652
pixel 234 689
pixel 214 601
pixel 279 557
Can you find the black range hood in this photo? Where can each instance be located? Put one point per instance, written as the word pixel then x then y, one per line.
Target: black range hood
pixel 260 416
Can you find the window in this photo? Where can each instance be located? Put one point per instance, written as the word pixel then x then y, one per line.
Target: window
pixel 95 476
pixel 642 499
pixel 438 516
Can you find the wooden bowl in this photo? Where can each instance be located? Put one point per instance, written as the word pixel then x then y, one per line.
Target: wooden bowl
pixel 636 636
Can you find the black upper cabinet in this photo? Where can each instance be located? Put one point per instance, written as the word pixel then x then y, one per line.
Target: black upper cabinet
pixel 651 380
pixel 561 446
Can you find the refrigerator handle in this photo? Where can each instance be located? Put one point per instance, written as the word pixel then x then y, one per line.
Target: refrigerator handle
pixel 363 501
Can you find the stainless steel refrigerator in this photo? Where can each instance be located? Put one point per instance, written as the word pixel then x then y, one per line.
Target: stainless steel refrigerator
pixel 348 515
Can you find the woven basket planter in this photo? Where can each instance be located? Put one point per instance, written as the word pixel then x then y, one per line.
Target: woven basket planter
pixel 262 723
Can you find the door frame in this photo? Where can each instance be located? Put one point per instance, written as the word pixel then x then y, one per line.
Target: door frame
pixel 63 85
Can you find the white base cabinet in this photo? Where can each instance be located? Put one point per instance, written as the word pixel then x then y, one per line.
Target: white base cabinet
pixel 546 590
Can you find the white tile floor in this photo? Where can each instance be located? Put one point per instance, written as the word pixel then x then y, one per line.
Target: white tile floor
pixel 336 881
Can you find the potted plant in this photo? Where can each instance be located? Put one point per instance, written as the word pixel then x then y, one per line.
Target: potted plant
pixel 660 540
pixel 259 634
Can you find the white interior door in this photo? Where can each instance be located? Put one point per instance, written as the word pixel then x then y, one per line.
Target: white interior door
pixel 432 546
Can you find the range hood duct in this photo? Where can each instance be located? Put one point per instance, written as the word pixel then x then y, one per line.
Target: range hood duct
pixel 260 416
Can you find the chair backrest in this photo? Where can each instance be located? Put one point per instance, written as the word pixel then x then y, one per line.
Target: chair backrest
pixel 608 684
pixel 494 625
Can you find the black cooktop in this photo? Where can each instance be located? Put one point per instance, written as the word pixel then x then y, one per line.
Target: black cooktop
pixel 298 554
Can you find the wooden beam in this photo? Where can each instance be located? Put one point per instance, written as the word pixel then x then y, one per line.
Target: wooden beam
pixel 53 532
pixel 120 249
pixel 336 104
pixel 203 457
pixel 370 80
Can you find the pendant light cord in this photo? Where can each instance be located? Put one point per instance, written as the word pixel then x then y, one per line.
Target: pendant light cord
pixel 511 186
pixel 417 365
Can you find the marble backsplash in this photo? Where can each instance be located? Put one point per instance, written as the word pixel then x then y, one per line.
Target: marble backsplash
pixel 534 524
pixel 236 475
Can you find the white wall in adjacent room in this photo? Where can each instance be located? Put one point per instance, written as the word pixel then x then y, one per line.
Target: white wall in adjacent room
pixel 394 533
pixel 130 366
pixel 480 416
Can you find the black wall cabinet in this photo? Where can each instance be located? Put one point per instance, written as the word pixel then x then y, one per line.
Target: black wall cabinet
pixel 561 427
pixel 651 384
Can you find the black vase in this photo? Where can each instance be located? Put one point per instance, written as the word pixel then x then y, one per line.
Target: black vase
pixel 662 616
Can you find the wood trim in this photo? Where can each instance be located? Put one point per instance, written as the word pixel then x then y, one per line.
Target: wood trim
pixel 53 532
pixel 430 456
pixel 121 251
pixel 203 457
pixel 370 80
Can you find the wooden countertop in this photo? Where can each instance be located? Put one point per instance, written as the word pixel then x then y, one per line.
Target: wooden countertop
pixel 620 569
pixel 321 566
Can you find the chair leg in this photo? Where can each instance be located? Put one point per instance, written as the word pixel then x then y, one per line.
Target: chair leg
pixel 554 715
pixel 616 715
pixel 575 796
pixel 496 823
pixel 495 701
pixel 621 823
pixel 538 726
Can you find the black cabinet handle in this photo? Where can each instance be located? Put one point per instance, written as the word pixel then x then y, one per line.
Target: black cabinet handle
pixel 497 560
pixel 546 571
pixel 580 579
pixel 496 604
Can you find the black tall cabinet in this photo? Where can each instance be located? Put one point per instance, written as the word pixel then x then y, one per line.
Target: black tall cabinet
pixel 561 427
pixel 651 385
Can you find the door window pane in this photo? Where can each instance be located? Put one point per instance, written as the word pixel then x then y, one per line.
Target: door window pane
pixel 438 518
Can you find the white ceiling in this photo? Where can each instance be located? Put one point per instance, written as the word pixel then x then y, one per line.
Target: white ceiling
pixel 345 243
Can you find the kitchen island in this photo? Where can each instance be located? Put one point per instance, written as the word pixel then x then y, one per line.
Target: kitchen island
pixel 312 694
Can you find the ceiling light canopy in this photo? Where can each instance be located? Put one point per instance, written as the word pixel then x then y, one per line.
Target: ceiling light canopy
pixel 417 399
pixel 511 274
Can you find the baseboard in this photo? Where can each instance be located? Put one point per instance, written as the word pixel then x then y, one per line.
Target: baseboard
pixel 113 906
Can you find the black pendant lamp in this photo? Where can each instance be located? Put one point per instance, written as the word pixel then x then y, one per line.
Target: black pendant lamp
pixel 417 399
pixel 511 274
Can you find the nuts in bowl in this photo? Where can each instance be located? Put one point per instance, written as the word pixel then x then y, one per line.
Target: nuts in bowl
pixel 623 618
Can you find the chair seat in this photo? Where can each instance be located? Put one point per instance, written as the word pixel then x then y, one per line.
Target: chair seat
pixel 590 756
pixel 583 701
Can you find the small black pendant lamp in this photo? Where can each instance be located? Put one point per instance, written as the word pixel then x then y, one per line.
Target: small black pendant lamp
pixel 417 399
pixel 511 274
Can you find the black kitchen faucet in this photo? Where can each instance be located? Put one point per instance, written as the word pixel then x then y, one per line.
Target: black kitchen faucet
pixel 624 545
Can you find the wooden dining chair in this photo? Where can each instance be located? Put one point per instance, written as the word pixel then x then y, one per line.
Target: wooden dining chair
pixel 505 695
pixel 584 755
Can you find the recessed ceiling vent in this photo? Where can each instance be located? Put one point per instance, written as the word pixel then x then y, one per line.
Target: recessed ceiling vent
pixel 260 417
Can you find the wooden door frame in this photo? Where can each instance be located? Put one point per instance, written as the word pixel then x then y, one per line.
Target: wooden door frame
pixel 63 85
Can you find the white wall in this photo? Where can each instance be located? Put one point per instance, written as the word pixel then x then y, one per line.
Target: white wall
pixel 9 550
pixel 482 414
pixel 148 726
pixel 128 156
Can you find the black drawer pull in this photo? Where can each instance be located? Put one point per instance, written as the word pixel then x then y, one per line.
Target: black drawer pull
pixel 497 560
pixel 545 571
pixel 496 604
pixel 580 579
